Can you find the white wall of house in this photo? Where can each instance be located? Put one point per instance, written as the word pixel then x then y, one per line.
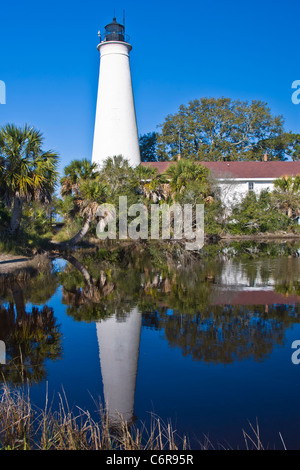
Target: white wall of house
pixel 232 191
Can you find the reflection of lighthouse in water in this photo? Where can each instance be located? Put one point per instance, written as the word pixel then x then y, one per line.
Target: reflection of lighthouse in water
pixel 119 341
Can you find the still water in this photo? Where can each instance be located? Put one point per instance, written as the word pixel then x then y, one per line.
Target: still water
pixel 206 346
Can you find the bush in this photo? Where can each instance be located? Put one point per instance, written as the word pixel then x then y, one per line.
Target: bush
pixel 257 214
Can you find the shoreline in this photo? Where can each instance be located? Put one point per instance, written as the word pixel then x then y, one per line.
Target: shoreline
pixel 11 262
pixel 262 236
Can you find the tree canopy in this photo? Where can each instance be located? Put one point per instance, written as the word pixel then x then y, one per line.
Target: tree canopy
pixel 148 147
pixel 217 129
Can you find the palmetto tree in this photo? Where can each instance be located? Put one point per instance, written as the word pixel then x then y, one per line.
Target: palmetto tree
pixel 75 172
pixel 185 173
pixel 82 187
pixel 288 184
pixel 287 195
pixel 26 171
pixel 90 194
pixel 154 186
pixel 119 177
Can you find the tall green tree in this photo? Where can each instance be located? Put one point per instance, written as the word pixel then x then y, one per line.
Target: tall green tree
pixel 148 147
pixel 216 129
pixel 26 171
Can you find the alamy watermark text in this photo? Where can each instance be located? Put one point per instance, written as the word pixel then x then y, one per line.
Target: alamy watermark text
pixel 2 92
pixel 296 93
pixel 183 223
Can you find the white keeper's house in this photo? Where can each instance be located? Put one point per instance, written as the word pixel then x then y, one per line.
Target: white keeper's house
pixel 236 179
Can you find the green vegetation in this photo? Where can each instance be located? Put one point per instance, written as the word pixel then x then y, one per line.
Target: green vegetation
pixel 27 175
pixel 278 211
pixel 148 147
pixel 207 129
pixel 217 129
pixel 186 182
pixel 113 277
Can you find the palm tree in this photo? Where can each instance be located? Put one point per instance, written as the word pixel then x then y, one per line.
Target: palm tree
pixel 26 171
pixel 91 193
pixel 88 188
pixel 81 190
pixel 287 195
pixel 75 172
pixel 145 173
pixel 288 184
pixel 119 177
pixel 154 186
pixel 185 173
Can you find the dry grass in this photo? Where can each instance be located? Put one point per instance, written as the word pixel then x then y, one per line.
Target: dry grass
pixel 24 428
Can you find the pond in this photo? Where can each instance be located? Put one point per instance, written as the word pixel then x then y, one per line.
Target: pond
pixel 206 345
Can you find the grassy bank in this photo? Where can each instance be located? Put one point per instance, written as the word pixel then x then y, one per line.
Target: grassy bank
pixel 25 244
pixel 24 427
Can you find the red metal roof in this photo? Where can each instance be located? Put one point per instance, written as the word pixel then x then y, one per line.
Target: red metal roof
pixel 241 169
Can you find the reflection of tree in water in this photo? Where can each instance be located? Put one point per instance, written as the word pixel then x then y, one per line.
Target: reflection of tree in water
pixel 288 288
pixel 212 333
pixel 37 284
pixel 250 249
pixel 31 335
pixel 226 334
pixel 93 290
pixel 91 293
pixel 29 341
pixel 287 278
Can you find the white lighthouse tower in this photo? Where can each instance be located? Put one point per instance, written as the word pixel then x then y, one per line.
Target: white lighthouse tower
pixel 115 125
pixel 119 342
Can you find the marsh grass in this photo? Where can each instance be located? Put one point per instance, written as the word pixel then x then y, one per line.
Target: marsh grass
pixel 22 427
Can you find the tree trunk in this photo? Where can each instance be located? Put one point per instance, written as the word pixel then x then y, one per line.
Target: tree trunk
pixel 19 301
pixel 82 232
pixel 16 215
pixel 82 269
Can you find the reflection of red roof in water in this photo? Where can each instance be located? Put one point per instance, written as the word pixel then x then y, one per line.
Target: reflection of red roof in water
pixel 262 297
pixel 241 169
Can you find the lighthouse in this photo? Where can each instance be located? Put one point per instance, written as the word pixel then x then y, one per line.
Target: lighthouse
pixel 115 130
pixel 119 341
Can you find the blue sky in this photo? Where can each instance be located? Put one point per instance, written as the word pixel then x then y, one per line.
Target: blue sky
pixel 181 51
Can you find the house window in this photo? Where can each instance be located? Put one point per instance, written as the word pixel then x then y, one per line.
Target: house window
pixel 251 186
